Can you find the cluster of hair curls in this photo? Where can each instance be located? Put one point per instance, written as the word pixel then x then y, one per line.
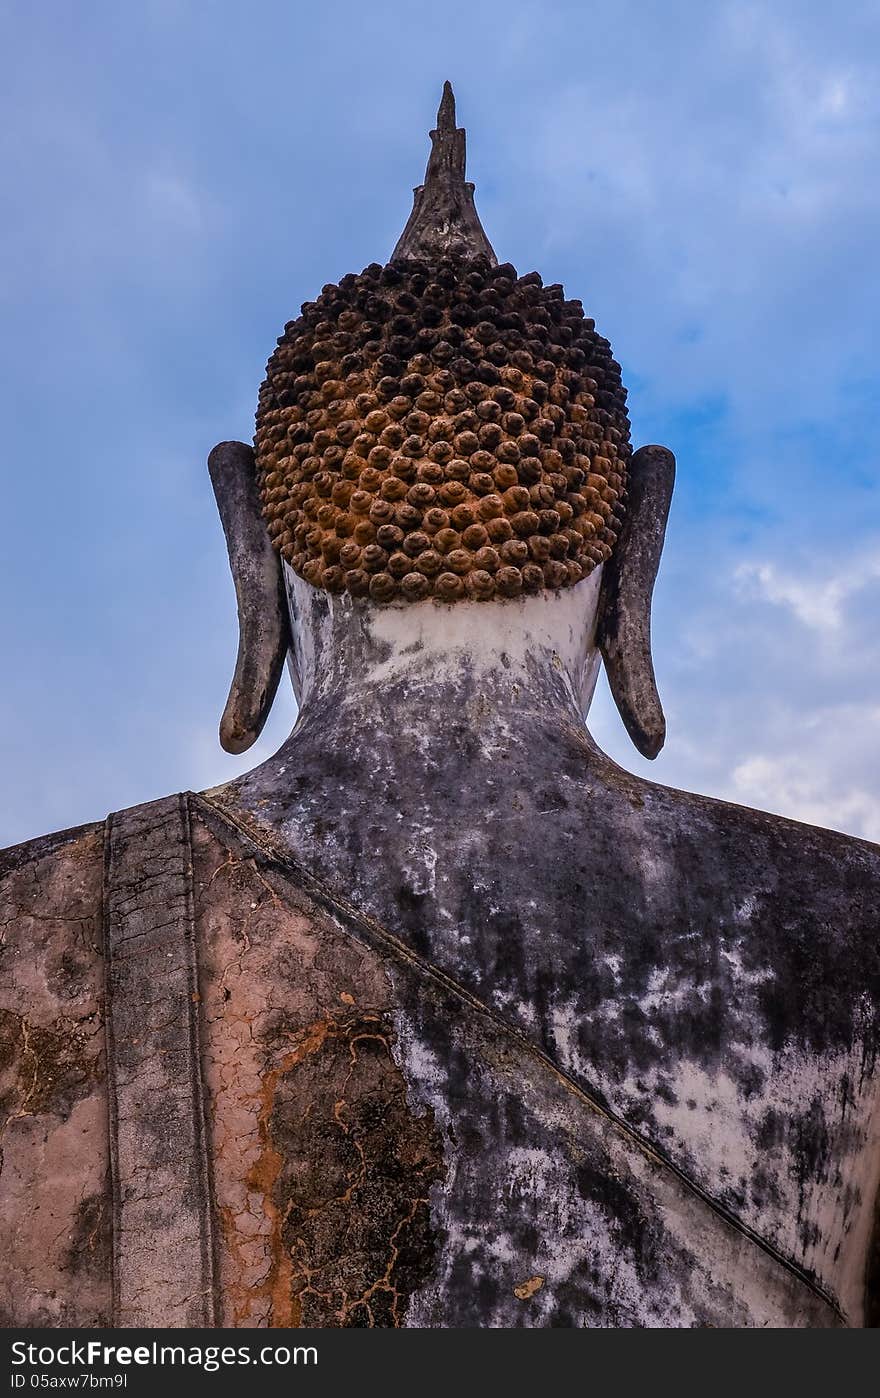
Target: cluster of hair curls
pixel 442 430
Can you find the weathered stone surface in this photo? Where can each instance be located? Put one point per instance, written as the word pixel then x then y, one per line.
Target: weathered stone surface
pixel 163 1251
pixel 707 973
pixel 536 1181
pixel 322 1165
pixel 54 1168
pixel 444 220
pixel 624 629
pixel 398 1141
pixel 263 632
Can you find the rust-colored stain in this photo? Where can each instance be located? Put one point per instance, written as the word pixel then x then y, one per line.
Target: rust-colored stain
pixel 344 1172
pixel 322 1165
pixel 526 1290
pixel 276 1289
pixel 285 1306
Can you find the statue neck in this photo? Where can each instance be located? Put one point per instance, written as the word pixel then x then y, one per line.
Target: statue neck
pixel 422 726
pixel 470 659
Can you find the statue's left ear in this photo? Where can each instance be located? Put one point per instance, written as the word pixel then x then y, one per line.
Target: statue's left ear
pixel 624 628
pixel 263 628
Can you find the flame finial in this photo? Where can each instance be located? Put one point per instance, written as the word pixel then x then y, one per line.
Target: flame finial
pixel 446 110
pixel 444 220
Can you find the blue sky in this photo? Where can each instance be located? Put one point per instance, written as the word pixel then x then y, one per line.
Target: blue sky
pixel 180 176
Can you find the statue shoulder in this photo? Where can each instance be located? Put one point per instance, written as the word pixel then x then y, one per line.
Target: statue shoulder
pixel 50 903
pixel 734 840
pixel 796 898
pixel 43 847
pixel 742 844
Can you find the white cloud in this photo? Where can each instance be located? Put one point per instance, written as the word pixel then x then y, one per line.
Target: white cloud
pixel 770 678
pixel 818 602
pixel 806 789
pixel 170 198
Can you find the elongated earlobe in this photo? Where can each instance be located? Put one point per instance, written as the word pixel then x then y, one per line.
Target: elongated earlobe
pixel 263 629
pixel 624 632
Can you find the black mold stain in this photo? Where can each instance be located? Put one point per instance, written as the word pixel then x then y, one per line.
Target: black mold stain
pixel 90 1245
pixel 43 1070
pixel 354 1168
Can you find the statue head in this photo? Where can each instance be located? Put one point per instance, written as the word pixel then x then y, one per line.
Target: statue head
pixel 444 430
pixel 441 432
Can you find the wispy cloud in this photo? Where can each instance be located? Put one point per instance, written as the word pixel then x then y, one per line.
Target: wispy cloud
pixel 168 197
pixel 771 682
pixel 812 790
pixel 819 601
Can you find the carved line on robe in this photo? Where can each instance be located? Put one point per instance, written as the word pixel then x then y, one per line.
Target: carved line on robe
pixel 199 1097
pixel 112 1113
pixel 165 1053
pixel 374 932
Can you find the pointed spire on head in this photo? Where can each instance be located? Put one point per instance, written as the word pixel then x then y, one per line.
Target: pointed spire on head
pixel 444 219
pixel 446 110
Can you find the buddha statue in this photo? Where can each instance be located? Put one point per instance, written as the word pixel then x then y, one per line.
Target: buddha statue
pixel 439 1017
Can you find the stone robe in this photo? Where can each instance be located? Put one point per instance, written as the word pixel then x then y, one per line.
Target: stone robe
pixel 231 1097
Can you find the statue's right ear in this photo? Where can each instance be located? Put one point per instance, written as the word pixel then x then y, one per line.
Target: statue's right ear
pixel 624 630
pixel 263 628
